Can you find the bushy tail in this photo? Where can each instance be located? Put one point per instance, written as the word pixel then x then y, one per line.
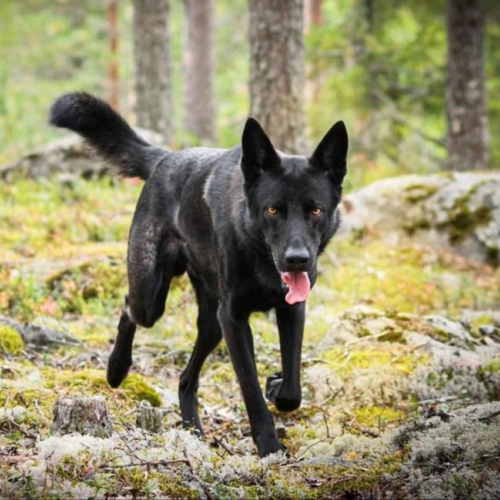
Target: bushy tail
pixel 107 132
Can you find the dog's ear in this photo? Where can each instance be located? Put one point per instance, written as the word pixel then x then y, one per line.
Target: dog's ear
pixel 258 154
pixel 331 153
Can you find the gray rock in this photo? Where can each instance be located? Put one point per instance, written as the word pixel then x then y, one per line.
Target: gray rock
pixel 455 211
pixel 66 156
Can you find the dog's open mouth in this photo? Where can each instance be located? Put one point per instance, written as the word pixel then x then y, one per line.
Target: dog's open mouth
pixel 298 285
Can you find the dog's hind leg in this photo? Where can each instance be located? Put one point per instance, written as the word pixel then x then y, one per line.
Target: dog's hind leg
pixel 120 360
pixel 144 305
pixel 209 336
pixel 283 389
pixel 155 256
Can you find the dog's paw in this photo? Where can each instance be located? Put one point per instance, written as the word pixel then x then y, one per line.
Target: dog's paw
pixel 117 371
pixel 285 401
pixel 273 384
pixel 271 447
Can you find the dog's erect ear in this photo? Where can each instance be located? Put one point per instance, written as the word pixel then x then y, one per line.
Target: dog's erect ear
pixel 331 153
pixel 258 154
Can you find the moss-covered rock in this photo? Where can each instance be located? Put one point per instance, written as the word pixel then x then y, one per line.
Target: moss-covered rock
pixel 459 211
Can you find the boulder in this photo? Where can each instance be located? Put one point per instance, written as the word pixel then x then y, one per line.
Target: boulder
pixel 455 211
pixel 68 156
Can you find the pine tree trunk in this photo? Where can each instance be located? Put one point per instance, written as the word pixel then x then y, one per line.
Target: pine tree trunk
pixel 277 70
pixel 152 63
pixel 313 18
pixel 199 109
pixel 465 87
pixel 113 49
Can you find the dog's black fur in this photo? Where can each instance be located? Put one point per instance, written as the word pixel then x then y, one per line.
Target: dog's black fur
pixel 235 220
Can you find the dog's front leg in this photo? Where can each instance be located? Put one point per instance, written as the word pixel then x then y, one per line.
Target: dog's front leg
pixel 238 336
pixel 284 389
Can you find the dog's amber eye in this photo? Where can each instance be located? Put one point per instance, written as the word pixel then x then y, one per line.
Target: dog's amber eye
pixel 272 211
pixel 316 212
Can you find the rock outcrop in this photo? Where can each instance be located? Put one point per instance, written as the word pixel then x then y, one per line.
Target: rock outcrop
pixel 68 155
pixel 457 211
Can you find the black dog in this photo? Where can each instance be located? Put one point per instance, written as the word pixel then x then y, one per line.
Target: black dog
pixel 247 224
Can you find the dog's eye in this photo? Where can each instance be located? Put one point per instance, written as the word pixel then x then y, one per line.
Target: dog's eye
pixel 317 211
pixel 271 211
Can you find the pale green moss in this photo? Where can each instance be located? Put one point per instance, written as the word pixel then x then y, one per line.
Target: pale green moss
pixel 377 416
pixel 138 389
pixel 416 193
pixel 493 366
pixel 372 273
pixel 11 341
pixel 348 362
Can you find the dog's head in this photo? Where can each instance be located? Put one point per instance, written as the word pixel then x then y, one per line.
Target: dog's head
pixel 293 201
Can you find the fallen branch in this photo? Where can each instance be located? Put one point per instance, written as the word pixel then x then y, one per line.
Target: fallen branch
pixel 164 463
pixel 39 337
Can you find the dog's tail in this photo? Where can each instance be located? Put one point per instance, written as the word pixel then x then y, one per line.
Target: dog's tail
pixel 106 132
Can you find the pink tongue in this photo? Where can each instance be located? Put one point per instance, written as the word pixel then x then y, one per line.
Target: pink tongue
pixel 299 286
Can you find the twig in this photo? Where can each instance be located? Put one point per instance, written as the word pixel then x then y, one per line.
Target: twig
pixel 23 431
pixel 488 417
pixel 311 446
pixel 131 451
pixel 223 445
pixel 206 486
pixel 147 464
pixel 333 396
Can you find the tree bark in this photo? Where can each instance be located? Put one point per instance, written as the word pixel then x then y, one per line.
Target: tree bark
pixel 149 418
pixel 199 109
pixel 152 63
pixel 277 70
pixel 83 415
pixel 113 49
pixel 467 137
pixel 313 15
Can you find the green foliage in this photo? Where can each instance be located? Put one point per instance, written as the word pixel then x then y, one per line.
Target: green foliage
pixel 384 77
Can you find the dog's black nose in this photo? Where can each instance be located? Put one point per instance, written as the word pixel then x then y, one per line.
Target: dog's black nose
pixel 297 258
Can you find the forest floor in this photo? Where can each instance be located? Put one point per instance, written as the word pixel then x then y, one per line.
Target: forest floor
pixel 401 368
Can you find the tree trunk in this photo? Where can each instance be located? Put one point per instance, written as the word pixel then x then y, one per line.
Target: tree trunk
pixel 152 63
pixel 199 109
pixel 277 70
pixel 113 49
pixel 313 18
pixel 149 418
pixel 83 415
pixel 467 138
pixel 312 14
